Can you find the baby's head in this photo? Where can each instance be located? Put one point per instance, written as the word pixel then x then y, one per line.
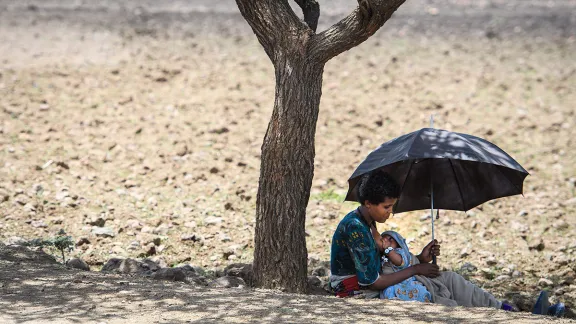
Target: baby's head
pixel 391 240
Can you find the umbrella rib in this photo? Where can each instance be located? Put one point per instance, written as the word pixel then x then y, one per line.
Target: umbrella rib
pixel 458 184
pixel 403 184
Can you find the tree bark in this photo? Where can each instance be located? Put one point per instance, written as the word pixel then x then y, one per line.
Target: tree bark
pixel 286 172
pixel 287 166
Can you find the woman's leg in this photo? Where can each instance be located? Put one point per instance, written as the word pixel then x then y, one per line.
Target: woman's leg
pixel 466 293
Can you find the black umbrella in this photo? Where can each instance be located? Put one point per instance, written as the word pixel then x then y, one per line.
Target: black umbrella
pixel 439 169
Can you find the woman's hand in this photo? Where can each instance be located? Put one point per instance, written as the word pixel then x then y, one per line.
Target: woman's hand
pixel 433 248
pixel 427 270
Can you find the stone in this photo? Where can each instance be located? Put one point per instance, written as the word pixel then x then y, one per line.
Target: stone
pixel 78 264
pixel 242 270
pixel 491 261
pixel 39 224
pixel 228 282
pixel 29 207
pixel 118 251
pixel 522 213
pixel 314 281
pixel 320 272
pixel 544 282
pixel 537 245
pixel 134 245
pixel 82 241
pixel 516 274
pixel 468 267
pixel 212 220
pixel 15 240
pixel 111 265
pixel 96 221
pixel 502 278
pixel 103 231
pixel 190 237
pixel 519 227
pixel 171 274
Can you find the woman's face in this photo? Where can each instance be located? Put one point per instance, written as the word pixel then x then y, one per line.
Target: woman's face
pixel 381 212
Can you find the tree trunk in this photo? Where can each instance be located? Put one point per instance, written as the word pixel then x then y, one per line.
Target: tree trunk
pixel 287 169
pixel 287 166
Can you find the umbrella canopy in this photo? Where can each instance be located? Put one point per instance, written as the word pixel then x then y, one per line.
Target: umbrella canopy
pixel 463 170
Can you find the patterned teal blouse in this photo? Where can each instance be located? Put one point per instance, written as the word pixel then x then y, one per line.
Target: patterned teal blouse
pixel 354 251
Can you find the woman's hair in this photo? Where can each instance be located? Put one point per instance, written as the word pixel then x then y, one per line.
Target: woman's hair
pixel 376 186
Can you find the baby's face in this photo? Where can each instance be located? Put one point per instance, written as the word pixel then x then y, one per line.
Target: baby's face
pixel 392 242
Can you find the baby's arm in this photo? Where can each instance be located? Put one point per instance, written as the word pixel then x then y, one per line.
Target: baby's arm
pixel 395 258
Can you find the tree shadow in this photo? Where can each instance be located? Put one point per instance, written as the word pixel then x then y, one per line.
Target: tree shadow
pixel 40 291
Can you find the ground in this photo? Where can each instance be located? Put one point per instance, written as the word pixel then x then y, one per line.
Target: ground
pixel 147 120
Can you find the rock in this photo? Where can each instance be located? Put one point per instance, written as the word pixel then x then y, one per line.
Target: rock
pixel 544 282
pixel 242 270
pixel 522 213
pixel 212 220
pixel 314 281
pixel 81 241
pixel 62 194
pixel 425 217
pixel 39 224
pixel 516 274
pixel 15 240
pixel 155 263
pixel 162 229
pixel 191 237
pixel 537 245
pixel 111 265
pixel 320 272
pixel 118 251
pixel 103 231
pixel 491 261
pixel 560 225
pixel 227 282
pixel 502 278
pixel 188 269
pixel 519 227
pixel 465 252
pixel 468 267
pixel 29 207
pixel 134 245
pixel 182 150
pixel 129 266
pixel 171 274
pixel 78 264
pixel 150 249
pixel 96 221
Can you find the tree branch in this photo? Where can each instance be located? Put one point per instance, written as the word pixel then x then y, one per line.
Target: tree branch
pixel 311 10
pixel 274 23
pixel 352 30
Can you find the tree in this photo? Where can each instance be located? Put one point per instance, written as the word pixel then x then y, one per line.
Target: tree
pixel 298 54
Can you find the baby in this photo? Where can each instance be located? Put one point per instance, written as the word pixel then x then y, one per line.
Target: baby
pixel 397 256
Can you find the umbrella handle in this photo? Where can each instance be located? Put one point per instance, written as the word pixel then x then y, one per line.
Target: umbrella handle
pixel 434 259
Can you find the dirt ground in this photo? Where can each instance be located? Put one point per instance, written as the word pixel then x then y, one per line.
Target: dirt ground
pixel 35 290
pixel 146 119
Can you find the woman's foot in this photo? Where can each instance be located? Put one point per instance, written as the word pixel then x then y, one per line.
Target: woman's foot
pixel 557 310
pixel 509 307
pixel 542 304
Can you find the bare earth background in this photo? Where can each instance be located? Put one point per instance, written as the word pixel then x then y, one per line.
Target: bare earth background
pixel 143 120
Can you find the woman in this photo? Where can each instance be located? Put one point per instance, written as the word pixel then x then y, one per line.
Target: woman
pixel 355 260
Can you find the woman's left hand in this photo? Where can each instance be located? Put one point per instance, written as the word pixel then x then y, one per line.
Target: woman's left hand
pixel 433 248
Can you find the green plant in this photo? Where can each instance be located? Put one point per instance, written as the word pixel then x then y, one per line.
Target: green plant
pixel 61 242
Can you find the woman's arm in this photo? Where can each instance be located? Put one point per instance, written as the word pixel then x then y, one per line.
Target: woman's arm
pixel 387 280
